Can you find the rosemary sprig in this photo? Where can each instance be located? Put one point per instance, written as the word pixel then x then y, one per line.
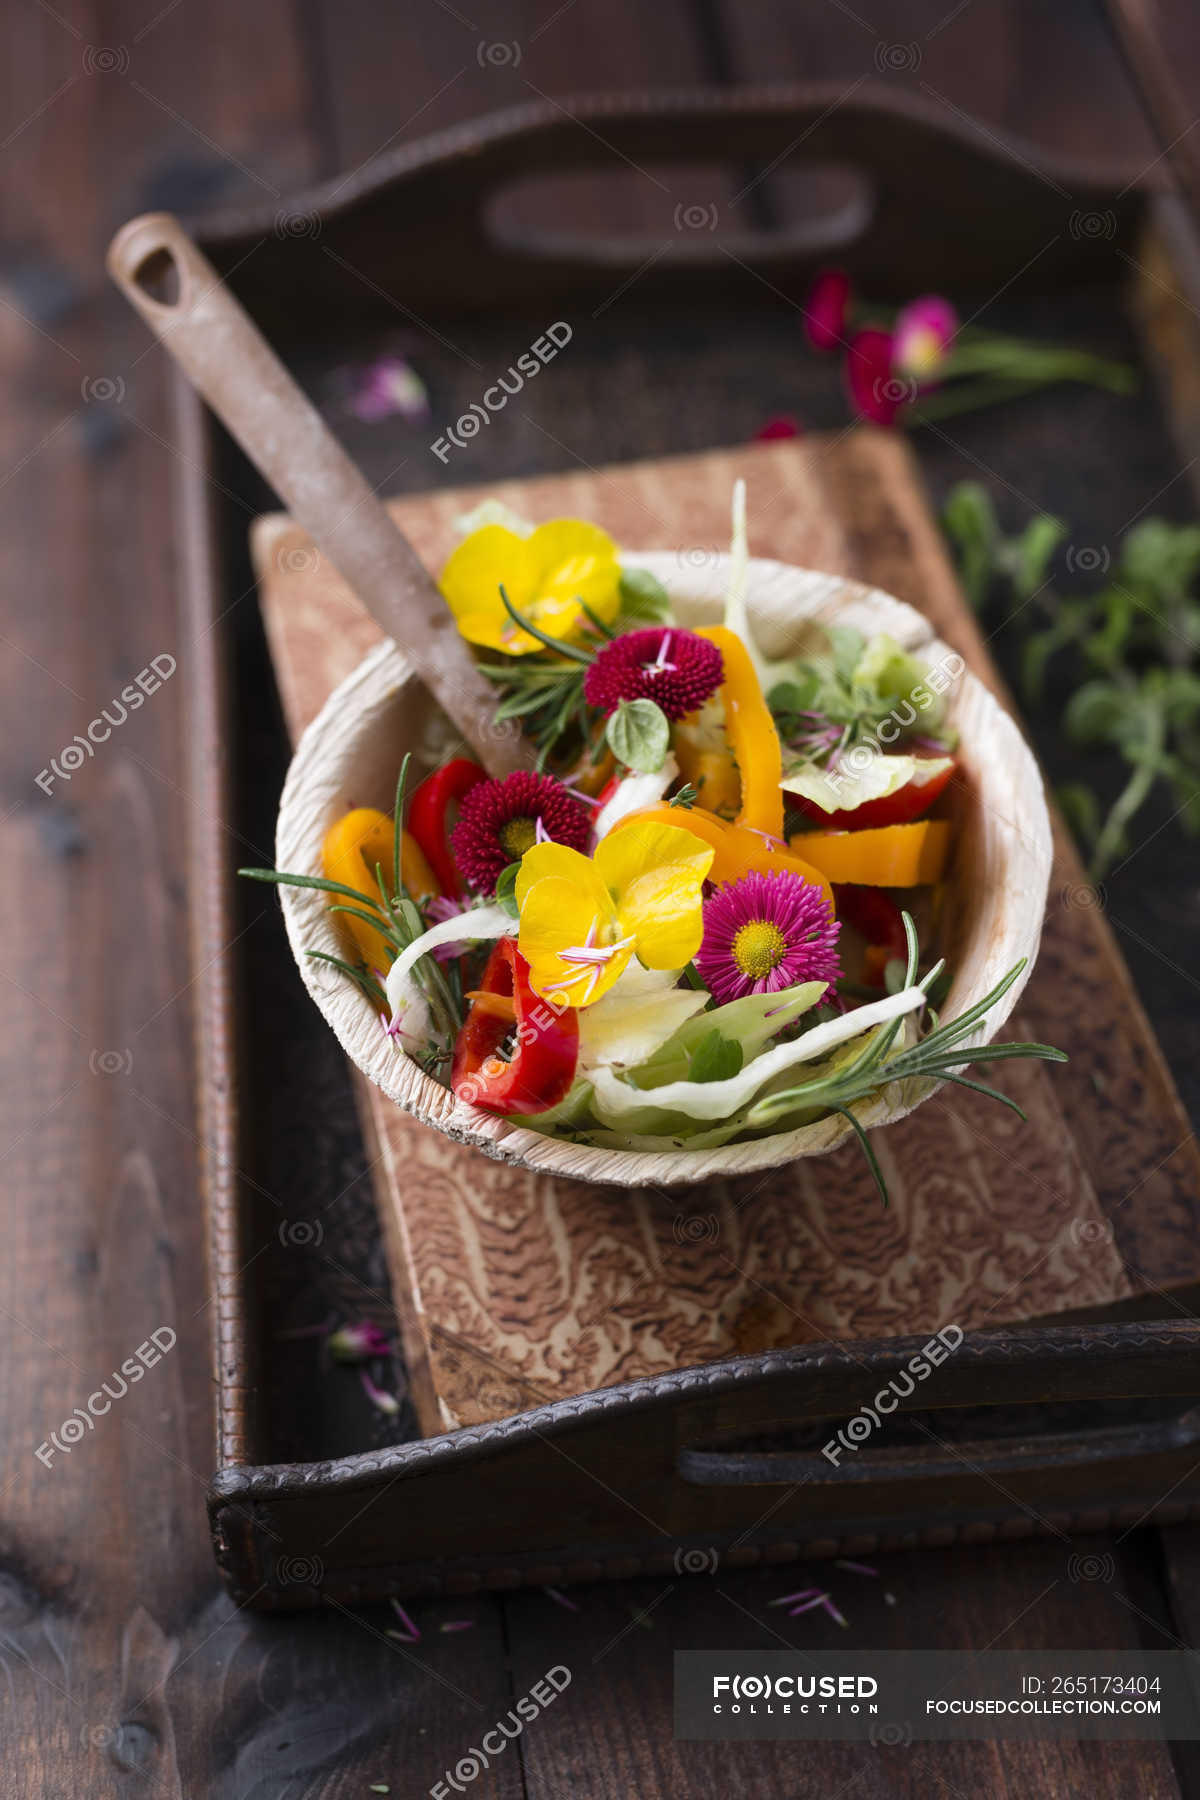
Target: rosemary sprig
pixel 940 1055
pixel 398 921
pixel 545 692
pixel 558 645
pixel 686 797
pixel 398 820
pixel 363 979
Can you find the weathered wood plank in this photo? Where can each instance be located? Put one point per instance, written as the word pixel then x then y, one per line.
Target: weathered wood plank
pixel 127 1671
pixel 493 55
pixel 612 1726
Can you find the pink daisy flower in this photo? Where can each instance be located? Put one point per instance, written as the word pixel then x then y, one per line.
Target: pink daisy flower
pixel 498 821
pixel 763 933
pixel 921 340
pixel 676 669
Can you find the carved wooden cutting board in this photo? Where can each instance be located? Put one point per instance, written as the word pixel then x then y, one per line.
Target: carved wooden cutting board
pixel 514 1289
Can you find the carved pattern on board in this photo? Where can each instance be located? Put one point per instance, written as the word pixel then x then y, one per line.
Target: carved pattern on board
pixel 525 1289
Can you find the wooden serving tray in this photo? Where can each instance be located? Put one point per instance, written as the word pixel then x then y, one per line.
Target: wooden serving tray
pixel 1062 1427
pixel 516 1290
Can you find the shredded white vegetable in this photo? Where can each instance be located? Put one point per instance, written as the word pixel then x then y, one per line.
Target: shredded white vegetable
pixel 616 1100
pixel 473 927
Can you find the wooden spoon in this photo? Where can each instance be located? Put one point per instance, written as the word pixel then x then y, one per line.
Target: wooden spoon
pixel 196 316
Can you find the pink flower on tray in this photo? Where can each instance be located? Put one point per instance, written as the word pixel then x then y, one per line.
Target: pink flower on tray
pixel 359 1342
pixel 783 425
pixel 876 391
pixel 826 311
pixel 921 340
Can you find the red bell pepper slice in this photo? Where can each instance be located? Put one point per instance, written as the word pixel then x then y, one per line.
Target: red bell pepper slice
pixel 874 914
pixel 429 819
pixel 506 1015
pixel 908 803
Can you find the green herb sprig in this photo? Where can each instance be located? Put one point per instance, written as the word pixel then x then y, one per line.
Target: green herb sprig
pixel 544 689
pixel 940 1055
pixel 1133 646
pixel 399 922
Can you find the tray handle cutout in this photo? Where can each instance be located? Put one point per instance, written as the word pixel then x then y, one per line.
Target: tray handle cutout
pixel 850 1466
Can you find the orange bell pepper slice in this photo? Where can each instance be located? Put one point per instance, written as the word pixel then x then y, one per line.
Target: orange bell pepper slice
pixel 750 728
pixel 890 856
pixel 739 850
pixel 360 842
pixel 711 773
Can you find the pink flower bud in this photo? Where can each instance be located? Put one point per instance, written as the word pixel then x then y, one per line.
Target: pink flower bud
pixel 357 1343
pixel 826 309
pixel 876 391
pixel 784 425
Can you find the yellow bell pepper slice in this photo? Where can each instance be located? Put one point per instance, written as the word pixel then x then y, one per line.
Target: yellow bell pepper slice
pixel 360 842
pixel 751 731
pixel 739 850
pixel 890 856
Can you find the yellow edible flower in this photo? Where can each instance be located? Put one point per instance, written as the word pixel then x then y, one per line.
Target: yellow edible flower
pixel 545 575
pixel 582 918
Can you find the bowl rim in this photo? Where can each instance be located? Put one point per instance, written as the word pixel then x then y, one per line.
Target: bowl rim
pixel 311 797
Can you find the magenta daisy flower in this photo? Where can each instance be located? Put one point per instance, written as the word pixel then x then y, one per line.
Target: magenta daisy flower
pixel 676 669
pixel 766 932
pixel 498 821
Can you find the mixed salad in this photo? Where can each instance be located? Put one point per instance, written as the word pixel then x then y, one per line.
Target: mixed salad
pixel 695 921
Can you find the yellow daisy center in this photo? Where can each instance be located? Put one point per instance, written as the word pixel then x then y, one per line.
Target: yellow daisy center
pixel 518 836
pixel 758 948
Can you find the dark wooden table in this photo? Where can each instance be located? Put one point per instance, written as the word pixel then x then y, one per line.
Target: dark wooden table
pixel 126 1670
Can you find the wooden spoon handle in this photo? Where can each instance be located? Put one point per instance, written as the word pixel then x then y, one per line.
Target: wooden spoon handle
pixel 196 316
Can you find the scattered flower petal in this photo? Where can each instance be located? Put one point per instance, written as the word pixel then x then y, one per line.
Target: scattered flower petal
pixel 379 1397
pixel 388 386
pixel 406 1621
pixel 358 1343
pixel 560 1599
